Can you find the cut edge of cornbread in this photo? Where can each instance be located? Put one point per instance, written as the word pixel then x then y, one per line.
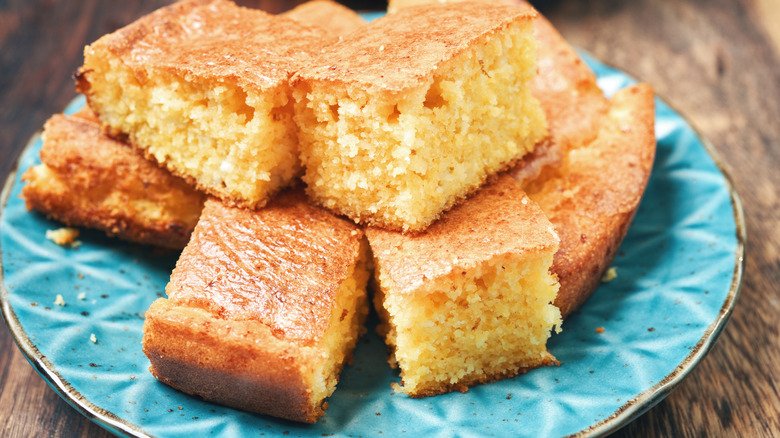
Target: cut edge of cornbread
pixel 241 166
pixel 243 364
pixel 399 159
pixel 502 307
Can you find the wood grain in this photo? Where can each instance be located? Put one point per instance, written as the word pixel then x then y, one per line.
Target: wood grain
pixel 714 60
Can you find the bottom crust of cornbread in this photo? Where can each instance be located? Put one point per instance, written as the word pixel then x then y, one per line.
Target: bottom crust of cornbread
pixel 470 300
pixel 88 179
pixel 264 308
pixel 593 197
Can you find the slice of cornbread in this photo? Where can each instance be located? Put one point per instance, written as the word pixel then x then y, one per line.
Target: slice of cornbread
pixel 264 308
pixel 565 87
pixel 593 197
pixel 87 179
pixel 327 14
pixel 404 117
pixel 470 300
pixel 202 87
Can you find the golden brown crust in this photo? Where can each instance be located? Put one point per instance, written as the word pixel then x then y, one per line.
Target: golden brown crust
pixel 594 196
pixel 329 15
pixel 236 363
pixel 499 219
pixel 385 55
pixel 90 180
pixel 566 89
pixel 281 265
pixel 212 40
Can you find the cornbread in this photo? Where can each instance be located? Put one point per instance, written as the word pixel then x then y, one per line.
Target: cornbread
pixel 87 179
pixel 202 87
pixel 329 15
pixel 565 87
pixel 593 197
pixel 404 117
pixel 470 300
pixel 264 308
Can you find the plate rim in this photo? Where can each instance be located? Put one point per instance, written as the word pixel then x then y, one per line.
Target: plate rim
pixel 623 415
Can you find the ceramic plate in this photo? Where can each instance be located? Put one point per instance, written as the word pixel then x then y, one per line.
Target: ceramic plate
pixel 679 271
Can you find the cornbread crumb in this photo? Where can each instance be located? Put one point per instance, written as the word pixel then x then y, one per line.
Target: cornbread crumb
pixel 394 132
pixel 610 275
pixel 93 338
pixel 470 300
pixel 63 236
pixel 59 301
pixel 600 330
pixel 82 296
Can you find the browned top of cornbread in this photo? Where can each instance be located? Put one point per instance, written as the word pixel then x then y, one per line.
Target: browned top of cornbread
pixel 215 39
pixel 331 16
pixel 498 220
pixel 593 199
pixel 281 265
pixel 398 51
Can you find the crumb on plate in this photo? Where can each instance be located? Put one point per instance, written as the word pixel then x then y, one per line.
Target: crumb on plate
pixel 63 236
pixel 610 275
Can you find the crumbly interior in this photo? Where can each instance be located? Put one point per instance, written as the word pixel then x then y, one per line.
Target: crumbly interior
pixel 151 209
pixel 399 160
pixel 473 326
pixel 346 326
pixel 234 143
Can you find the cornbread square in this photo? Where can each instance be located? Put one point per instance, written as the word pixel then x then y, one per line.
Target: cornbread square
pixel 402 118
pixel 87 179
pixel 263 309
pixel 327 14
pixel 202 87
pixel 470 300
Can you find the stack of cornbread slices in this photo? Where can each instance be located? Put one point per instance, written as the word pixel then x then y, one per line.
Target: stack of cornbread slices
pixel 400 131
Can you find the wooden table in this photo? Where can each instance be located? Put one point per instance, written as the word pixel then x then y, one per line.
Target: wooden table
pixel 717 61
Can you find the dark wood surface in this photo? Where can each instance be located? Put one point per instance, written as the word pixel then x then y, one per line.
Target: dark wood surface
pixel 715 60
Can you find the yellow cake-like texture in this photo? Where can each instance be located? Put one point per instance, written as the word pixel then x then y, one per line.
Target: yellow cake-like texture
pixel 202 87
pixel 264 308
pixel 328 15
pixel 404 117
pixel 470 300
pixel 565 87
pixel 87 179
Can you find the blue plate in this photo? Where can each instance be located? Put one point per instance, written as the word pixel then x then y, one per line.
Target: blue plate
pixel 679 271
